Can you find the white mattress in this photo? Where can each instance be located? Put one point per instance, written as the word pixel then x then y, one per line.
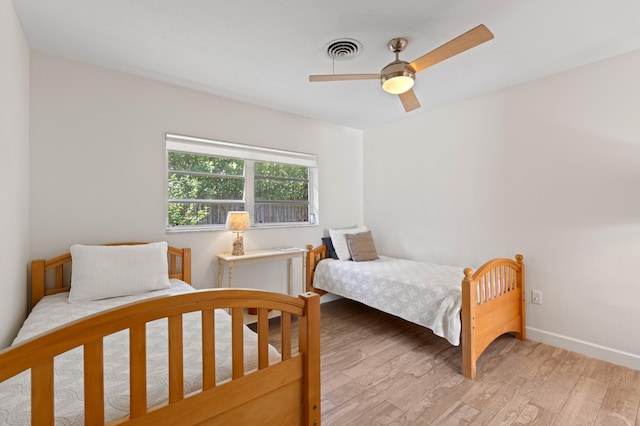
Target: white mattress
pixel 53 311
pixel 426 294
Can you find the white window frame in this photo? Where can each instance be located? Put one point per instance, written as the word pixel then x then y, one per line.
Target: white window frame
pixel 250 154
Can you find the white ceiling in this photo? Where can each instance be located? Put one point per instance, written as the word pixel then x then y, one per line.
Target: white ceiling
pixel 262 52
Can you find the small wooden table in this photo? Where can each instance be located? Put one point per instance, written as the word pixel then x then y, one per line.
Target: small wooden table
pixel 262 256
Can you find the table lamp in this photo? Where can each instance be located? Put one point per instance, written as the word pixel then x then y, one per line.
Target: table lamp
pixel 238 222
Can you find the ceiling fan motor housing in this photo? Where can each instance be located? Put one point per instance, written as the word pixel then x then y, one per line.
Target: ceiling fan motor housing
pixel 397 77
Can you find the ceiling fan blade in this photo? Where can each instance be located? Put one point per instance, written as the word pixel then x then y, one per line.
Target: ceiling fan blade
pixel 466 41
pixel 340 77
pixel 409 100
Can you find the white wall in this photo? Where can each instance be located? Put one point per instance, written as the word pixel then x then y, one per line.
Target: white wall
pixel 550 169
pixel 14 172
pixel 98 164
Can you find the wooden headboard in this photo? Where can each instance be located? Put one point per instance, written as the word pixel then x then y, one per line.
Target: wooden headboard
pixel 39 288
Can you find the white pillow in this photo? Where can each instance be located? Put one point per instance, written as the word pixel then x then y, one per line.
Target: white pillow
pixel 101 272
pixel 340 242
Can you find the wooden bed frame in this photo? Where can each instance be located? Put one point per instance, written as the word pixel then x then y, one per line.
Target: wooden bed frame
pixel 287 392
pixel 493 303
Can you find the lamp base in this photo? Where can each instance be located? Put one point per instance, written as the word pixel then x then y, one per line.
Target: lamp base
pixel 238 246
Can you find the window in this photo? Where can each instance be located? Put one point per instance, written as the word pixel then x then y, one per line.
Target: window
pixel 206 179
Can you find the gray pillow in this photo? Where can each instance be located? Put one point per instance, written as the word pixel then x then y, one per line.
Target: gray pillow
pixel 361 246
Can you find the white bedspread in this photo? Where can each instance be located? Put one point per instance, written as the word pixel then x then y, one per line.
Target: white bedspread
pixel 426 294
pixel 53 311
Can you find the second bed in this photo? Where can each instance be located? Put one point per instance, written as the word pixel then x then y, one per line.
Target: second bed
pixel 466 307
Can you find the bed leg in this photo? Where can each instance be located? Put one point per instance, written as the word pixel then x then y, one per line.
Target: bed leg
pixel 522 335
pixel 468 317
pixel 468 365
pixel 468 358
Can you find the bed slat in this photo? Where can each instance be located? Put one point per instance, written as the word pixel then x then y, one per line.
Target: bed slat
pixel 237 343
pixel 42 393
pixel 208 350
pixel 176 368
pixel 138 369
pixel 93 383
pixel 59 275
pixel 285 335
pixel 263 338
pixel 172 262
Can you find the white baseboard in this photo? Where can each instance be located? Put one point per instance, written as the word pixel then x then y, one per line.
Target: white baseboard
pixel 614 356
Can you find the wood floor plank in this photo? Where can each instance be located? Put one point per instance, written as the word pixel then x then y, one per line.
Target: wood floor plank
pixel 583 404
pixel 345 393
pixel 458 413
pixel 333 380
pixel 421 389
pixel 382 414
pixel 598 370
pixel 440 400
pixel 574 363
pixel 555 390
pixel 544 360
pixel 384 358
pixel 508 404
pixel 533 415
pixel 495 381
pixel 625 378
pixel 619 407
pixel 367 400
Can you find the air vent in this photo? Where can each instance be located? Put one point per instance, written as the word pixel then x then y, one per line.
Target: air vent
pixel 344 48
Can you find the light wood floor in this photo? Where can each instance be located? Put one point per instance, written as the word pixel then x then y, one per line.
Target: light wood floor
pixel 380 370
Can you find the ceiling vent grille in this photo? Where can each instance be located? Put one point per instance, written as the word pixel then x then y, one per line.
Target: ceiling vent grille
pixel 344 48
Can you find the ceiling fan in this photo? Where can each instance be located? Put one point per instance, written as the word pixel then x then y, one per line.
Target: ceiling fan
pixel 398 77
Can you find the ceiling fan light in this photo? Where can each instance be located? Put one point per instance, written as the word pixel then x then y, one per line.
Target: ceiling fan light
pixel 398 84
pixel 397 78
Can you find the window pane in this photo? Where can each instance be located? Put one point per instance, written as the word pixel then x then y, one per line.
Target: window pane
pixel 281 193
pixel 205 164
pixel 281 190
pixel 280 182
pixel 199 187
pixel 281 212
pixel 194 179
pixel 188 213
pixel 281 170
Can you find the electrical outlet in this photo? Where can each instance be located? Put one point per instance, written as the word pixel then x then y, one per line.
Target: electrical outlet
pixel 536 297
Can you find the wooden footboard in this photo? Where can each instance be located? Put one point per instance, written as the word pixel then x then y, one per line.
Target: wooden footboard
pixel 492 304
pixel 284 393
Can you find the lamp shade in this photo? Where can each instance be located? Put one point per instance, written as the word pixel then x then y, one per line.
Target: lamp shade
pixel 237 221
